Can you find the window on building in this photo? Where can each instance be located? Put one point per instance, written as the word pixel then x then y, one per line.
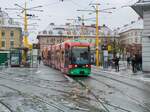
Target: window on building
pixel 50 32
pixel 11 44
pixel 60 32
pixel 136 40
pixel 44 32
pixel 3 35
pixel 136 33
pixel 47 41
pixel 11 35
pixel 3 43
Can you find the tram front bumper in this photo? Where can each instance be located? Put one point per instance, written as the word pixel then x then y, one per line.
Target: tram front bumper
pixel 80 71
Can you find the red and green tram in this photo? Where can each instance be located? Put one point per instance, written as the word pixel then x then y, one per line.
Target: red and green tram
pixel 71 57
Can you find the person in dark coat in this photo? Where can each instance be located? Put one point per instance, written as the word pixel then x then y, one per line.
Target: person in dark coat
pixel 133 60
pixel 39 59
pixel 128 61
pixel 140 63
pixel 116 61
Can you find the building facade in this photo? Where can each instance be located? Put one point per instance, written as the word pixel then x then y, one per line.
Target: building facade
pixel 10 38
pixel 142 7
pixel 130 39
pixel 55 34
pixel 10 32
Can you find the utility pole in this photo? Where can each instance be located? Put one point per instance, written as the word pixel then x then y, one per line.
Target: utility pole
pixel 82 27
pixel 25 18
pixel 97 36
pixel 26 43
pixel 96 10
pixel 26 33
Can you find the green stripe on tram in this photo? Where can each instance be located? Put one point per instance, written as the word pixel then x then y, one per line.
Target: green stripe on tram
pixel 80 71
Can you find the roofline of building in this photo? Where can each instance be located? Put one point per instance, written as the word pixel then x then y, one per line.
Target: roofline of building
pixel 76 36
pixel 10 27
pixel 142 4
pixel 132 29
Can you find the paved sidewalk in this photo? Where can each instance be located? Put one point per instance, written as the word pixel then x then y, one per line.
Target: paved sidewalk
pixel 124 72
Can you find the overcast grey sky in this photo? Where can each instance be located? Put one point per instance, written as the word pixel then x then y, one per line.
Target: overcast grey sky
pixel 57 11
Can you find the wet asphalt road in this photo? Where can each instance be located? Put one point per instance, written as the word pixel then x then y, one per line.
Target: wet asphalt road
pixel 47 90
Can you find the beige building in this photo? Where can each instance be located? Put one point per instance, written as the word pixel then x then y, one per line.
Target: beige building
pixel 10 37
pixel 10 32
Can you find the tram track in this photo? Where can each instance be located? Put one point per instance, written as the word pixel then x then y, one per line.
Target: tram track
pixel 6 106
pixel 83 85
pixel 125 83
pixel 35 97
pixel 48 88
pixel 99 100
pixel 122 82
pixel 31 84
pixel 141 104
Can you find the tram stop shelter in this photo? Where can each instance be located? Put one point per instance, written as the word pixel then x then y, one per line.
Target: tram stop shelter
pixel 20 57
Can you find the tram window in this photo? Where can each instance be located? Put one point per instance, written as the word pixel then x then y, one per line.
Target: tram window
pixel 80 55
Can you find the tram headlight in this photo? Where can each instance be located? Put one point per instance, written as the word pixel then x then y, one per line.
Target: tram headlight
pixel 87 65
pixel 76 65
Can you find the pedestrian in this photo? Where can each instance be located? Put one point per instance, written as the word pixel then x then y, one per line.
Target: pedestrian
pixel 140 62
pixel 116 63
pixel 128 61
pixel 133 60
pixel 39 59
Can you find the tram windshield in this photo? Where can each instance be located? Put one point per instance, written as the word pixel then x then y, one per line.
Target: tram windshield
pixel 80 55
